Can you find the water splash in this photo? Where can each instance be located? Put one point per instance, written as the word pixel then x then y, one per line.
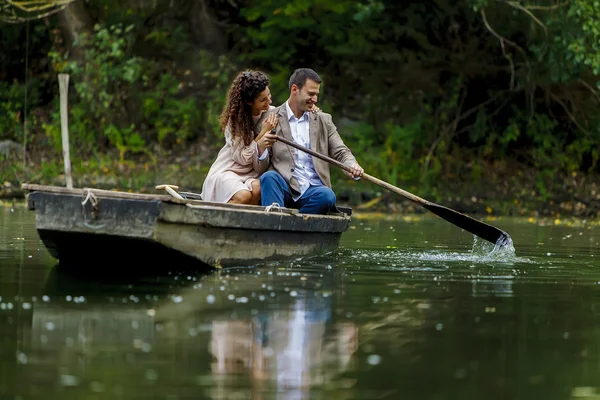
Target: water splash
pixel 503 250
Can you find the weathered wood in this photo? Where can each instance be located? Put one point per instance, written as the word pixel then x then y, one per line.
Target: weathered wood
pixel 98 192
pixel 96 228
pixel 189 198
pixel 30 187
pixel 116 217
pixel 221 217
pixel 226 247
pixel 63 82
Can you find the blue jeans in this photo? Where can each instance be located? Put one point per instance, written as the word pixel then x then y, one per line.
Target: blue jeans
pixel 316 199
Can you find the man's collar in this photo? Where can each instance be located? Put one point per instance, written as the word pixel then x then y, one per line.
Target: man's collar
pixel 290 113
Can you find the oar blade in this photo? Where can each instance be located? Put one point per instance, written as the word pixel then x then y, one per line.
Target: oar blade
pixel 488 232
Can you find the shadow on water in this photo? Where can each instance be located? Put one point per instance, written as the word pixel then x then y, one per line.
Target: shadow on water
pixel 70 280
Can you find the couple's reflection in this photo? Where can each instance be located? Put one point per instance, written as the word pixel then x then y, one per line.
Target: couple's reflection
pixel 297 348
pixel 286 343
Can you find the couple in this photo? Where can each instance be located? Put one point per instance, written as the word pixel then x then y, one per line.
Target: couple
pixel 288 177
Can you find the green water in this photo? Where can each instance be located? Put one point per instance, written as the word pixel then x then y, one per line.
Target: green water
pixel 406 309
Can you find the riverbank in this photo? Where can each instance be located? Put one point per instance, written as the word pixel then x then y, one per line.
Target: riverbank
pixel 506 189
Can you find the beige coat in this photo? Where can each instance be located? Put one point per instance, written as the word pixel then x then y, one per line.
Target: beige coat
pixel 236 166
pixel 324 139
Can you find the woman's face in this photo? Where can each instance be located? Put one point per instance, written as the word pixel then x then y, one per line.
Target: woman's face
pixel 261 102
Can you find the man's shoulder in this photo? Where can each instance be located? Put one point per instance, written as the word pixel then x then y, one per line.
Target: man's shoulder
pixel 323 116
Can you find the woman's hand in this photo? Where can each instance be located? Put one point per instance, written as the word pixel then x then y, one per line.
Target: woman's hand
pixel 268 124
pixel 266 139
pixel 315 109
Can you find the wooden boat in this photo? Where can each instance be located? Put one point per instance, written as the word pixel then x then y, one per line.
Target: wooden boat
pixel 88 225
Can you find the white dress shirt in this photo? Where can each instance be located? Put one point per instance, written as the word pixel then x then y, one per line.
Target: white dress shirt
pixel 304 170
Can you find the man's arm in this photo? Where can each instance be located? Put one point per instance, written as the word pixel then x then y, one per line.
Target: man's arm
pixel 338 150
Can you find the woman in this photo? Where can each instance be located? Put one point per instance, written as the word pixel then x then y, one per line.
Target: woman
pixel 233 177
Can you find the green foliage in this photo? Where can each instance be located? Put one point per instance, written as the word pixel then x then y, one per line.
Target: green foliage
pixel 111 85
pixel 388 153
pixel 421 87
pixel 166 113
pixel 478 4
pixel 583 45
pixel 219 71
pixel 11 108
pixel 104 82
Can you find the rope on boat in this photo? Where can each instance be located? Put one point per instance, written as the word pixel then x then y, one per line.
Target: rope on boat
pixel 90 196
pixel 274 206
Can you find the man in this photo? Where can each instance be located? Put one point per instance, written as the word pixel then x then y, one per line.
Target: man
pixel 295 179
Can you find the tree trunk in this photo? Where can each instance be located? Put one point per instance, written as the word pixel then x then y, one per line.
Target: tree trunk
pixel 75 20
pixel 205 28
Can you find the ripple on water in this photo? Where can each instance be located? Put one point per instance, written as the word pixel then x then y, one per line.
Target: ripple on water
pixel 484 262
pixel 482 252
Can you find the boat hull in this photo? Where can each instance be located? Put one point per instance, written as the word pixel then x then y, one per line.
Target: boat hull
pixel 87 226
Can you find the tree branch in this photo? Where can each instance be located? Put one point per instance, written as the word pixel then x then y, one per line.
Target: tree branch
pixel 516 5
pixel 504 40
pixel 479 106
pixel 591 89
pixel 548 8
pixel 566 109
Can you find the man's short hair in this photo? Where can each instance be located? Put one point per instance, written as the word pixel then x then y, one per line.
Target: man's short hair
pixel 300 76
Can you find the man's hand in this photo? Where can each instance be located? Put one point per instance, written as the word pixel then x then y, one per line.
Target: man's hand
pixel 356 171
pixel 268 125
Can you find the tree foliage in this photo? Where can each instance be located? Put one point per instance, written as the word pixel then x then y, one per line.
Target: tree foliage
pixel 422 89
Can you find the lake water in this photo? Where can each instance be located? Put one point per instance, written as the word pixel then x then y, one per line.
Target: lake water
pixel 407 308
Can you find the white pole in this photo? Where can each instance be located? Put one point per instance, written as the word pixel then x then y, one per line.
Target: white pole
pixel 63 82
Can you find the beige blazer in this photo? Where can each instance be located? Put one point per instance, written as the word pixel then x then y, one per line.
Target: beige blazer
pixel 324 139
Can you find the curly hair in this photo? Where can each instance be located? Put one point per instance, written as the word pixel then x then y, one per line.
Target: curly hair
pixel 237 113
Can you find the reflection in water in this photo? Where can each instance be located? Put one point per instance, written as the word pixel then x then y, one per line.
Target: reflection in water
pixel 280 340
pixel 498 286
pixel 382 318
pixel 290 333
pixel 295 349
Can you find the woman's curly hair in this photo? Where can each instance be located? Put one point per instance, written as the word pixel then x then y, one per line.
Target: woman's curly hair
pixel 237 112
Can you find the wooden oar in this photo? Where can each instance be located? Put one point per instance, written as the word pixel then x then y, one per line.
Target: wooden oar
pixel 478 228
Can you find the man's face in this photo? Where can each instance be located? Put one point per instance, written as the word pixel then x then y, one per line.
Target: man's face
pixel 308 95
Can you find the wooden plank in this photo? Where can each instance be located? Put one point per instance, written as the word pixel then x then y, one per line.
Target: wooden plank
pixel 82 192
pixel 63 82
pixel 139 196
pixel 220 217
pixel 99 192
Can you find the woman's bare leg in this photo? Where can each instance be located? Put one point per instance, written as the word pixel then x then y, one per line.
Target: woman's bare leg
pixel 255 193
pixel 241 197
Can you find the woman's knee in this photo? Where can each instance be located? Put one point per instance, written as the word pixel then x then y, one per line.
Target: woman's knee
pixel 242 197
pixel 255 193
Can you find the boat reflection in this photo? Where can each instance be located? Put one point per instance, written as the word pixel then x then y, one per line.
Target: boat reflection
pixel 226 333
